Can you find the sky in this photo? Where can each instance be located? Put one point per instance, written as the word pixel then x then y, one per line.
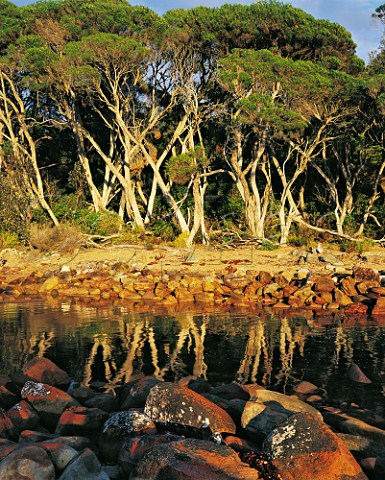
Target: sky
pixel 354 15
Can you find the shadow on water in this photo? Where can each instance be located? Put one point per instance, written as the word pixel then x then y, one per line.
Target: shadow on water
pixel 114 346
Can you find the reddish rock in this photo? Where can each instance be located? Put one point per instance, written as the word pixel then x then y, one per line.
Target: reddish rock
pixel 374 467
pixel 29 463
pixel 134 449
pixel 240 444
pixel 23 416
pixel 341 298
pixel 7 398
pixel 356 309
pixel 41 369
pixel 305 448
pixel 361 274
pixel 379 307
pixel 81 421
pixel 173 404
pixel 193 460
pixel 32 436
pixel 348 286
pixel 378 290
pixel 305 388
pixel 120 427
pixel 323 284
pixel 48 401
pixel 7 429
pixel 264 277
pixel 356 374
pixel 365 286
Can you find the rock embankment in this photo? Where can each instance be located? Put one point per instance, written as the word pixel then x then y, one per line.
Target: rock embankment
pixel 185 430
pixel 359 293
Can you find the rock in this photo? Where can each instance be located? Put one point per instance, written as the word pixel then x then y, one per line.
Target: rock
pixel 198 384
pixel 170 403
pixel 192 459
pixel 374 467
pixel 305 388
pixel 135 395
pixel 32 436
pixel 60 454
pixel 366 286
pixel 341 298
pixel 329 258
pixel 283 403
pixel 356 374
pixel 360 274
pixel 241 445
pixel 345 423
pixel 23 416
pixel 120 427
pixel 231 391
pixel 48 401
pixel 41 369
pixel 7 398
pixel 361 447
pixel 103 401
pixel 133 449
pixel 379 307
pixel 304 448
pixel 81 394
pixel 28 462
pixel 81 421
pixel 323 284
pixel 348 286
pixel 85 466
pixel 49 284
pixel 7 429
pixel 259 419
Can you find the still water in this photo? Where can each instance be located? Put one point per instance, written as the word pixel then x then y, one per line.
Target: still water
pixel 114 346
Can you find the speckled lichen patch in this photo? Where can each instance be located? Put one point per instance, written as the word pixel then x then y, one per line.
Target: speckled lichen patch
pixel 33 389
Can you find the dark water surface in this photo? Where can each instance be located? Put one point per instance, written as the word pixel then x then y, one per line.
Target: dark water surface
pixel 113 345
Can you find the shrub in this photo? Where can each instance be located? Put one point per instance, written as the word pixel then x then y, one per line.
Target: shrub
pixel 62 239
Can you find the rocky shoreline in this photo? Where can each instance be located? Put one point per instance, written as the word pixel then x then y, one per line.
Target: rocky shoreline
pixel 52 429
pixel 360 292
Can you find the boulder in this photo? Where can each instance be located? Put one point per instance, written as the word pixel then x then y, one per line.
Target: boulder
pixel 59 453
pixel 170 403
pixel 23 416
pixel 135 394
pixel 81 421
pixel 119 428
pixel 43 370
pixel 7 429
pixel 304 448
pixel 28 462
pixel 85 466
pixel 48 401
pixel 192 459
pixel 134 448
pixel 356 374
pixel 7 398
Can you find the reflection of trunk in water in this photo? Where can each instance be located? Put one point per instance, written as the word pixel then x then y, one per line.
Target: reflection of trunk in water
pixel 103 341
pixel 131 336
pixel 256 342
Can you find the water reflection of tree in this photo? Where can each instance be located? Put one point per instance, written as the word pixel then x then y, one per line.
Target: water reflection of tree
pixel 120 345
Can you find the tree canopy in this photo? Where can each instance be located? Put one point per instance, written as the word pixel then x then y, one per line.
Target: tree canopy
pixel 257 118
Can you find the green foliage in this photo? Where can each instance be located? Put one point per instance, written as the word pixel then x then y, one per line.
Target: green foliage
pixel 181 240
pixel 98 223
pixel 181 168
pixel 8 239
pixel 268 245
pixel 165 230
